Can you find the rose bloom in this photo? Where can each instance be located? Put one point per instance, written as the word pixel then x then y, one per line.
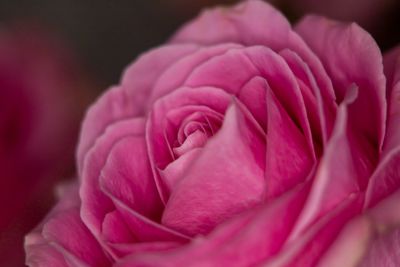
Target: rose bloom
pixel 39 119
pixel 241 142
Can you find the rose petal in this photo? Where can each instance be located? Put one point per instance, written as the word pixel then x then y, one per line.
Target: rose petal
pixel 176 74
pixel 350 55
pixel 43 255
pixel 314 102
pixel 127 179
pixel 145 229
pixel 370 239
pixel 384 251
pixel 236 242
pixel 337 175
pixel 253 96
pixel 227 178
pixel 158 148
pixel 63 234
pixel 384 248
pixel 309 247
pixel 127 176
pixel 114 229
pixel 350 246
pixel 249 23
pixel 385 179
pixel 288 160
pixel 141 248
pixel 95 205
pixel 112 106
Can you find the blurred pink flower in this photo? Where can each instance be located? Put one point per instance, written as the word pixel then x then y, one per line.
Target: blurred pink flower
pixel 42 96
pixel 241 142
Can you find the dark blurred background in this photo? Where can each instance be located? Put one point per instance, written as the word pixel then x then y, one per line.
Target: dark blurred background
pixel 108 34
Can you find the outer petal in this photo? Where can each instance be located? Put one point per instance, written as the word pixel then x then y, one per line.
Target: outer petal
pixel 319 113
pixel 226 179
pixel 309 247
pixel 370 240
pixel 175 76
pixel 242 241
pixel 127 179
pixel 350 246
pixel 384 251
pixel 384 248
pixel 385 179
pixel 112 106
pixel 63 234
pixel 127 176
pixel 94 203
pixel 351 56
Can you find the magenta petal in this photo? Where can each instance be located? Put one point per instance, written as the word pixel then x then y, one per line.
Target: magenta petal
pixel 127 176
pixel 114 229
pixel 130 249
pixel 384 248
pixel 236 242
pixel 253 96
pixel 175 171
pixel 308 248
pixel 351 56
pixel 38 255
pixel 127 179
pixel 65 229
pixel 288 159
pixel 226 178
pixel 141 76
pixel 384 251
pixel 385 179
pixel 336 177
pixel 250 22
pixel 95 205
pixel 176 74
pixel 317 106
pixel 350 246
pixel 63 234
pixel 112 106
pixel 145 229
pixel 370 240
pixel 386 213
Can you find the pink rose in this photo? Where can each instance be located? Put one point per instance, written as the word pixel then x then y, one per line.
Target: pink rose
pixel 242 142
pixel 39 116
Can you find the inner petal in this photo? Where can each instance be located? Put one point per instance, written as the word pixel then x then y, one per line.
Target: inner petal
pixel 224 180
pixel 196 139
